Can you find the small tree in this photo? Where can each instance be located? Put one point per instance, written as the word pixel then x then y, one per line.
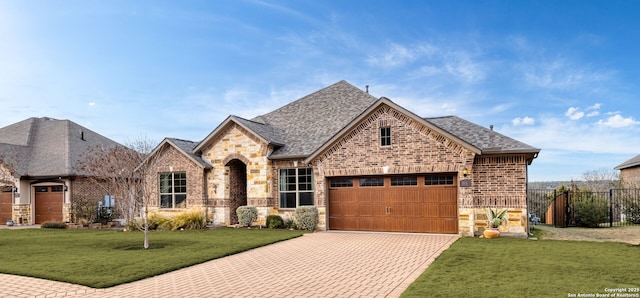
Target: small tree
pixel 121 171
pixel 601 180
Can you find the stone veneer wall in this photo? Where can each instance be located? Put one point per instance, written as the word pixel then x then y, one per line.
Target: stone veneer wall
pixel 22 214
pixel 234 142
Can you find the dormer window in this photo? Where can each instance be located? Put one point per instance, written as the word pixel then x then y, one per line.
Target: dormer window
pixel 385 136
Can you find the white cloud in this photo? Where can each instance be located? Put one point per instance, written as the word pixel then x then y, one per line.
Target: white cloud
pixel 398 55
pixel 92 104
pixel 574 113
pixel 618 121
pixel 563 74
pixel 523 121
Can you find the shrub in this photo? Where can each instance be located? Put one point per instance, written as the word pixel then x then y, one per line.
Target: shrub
pixel 590 211
pixel 246 215
pixel 307 217
pixel 275 222
pixel 632 213
pixel 159 222
pixel 53 225
pixel 191 220
pixel 289 223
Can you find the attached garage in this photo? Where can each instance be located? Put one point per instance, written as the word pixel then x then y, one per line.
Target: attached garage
pixel 48 202
pixel 6 196
pixel 425 203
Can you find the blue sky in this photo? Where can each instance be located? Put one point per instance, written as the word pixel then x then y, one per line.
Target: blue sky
pixel 558 75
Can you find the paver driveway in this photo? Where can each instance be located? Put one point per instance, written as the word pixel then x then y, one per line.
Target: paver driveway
pixel 324 264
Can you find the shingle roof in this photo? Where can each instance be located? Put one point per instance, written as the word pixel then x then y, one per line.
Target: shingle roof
pixel 302 128
pixel 307 123
pixel 633 162
pixel 487 140
pixel 47 147
pixel 187 148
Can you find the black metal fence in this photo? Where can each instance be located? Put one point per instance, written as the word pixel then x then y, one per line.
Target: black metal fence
pixel 616 207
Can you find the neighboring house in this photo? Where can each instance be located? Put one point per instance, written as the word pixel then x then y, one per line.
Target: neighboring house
pixel 39 162
pixel 366 163
pixel 630 172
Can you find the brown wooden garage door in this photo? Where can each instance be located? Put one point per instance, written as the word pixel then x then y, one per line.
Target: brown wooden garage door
pixel 48 201
pixel 6 197
pixel 420 203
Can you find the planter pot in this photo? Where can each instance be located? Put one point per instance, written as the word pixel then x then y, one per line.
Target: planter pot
pixel 491 233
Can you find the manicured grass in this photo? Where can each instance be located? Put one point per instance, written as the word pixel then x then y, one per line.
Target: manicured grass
pixel 508 267
pixel 104 258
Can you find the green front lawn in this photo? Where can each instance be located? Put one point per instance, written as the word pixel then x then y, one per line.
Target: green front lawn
pixel 508 267
pixel 104 258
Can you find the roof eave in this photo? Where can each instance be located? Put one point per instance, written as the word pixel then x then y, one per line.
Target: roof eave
pixel 293 156
pixel 626 166
pixel 510 151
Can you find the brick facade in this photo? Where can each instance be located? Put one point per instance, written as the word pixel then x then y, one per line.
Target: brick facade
pixel 631 177
pixel 497 181
pixel 168 160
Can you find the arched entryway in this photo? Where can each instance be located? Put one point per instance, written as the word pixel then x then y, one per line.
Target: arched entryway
pixel 237 187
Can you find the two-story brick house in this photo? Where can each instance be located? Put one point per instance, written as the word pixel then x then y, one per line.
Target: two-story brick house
pixel 366 163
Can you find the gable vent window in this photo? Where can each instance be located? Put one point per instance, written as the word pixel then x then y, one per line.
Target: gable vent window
pixel 296 187
pixel 385 136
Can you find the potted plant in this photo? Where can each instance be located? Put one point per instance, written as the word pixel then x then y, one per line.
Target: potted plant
pixel 494 220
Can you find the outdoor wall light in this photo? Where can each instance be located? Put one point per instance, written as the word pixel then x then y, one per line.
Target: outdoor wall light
pixel 385 169
pixel 465 171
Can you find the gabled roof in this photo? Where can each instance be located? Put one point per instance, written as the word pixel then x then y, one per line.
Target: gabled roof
pixel 365 113
pixel 307 123
pixel 299 128
pixel 305 127
pixel 183 146
pixel 633 162
pixel 47 147
pixel 487 140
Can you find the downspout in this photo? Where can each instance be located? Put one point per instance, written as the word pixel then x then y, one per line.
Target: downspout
pixel 526 189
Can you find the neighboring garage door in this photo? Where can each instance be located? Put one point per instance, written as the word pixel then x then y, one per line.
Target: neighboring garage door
pixel 417 203
pixel 6 196
pixel 48 203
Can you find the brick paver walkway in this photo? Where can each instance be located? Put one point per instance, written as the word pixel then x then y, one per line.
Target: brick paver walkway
pixel 324 264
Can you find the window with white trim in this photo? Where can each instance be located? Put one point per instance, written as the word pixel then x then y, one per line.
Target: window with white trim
pixel 173 190
pixel 385 136
pixel 296 187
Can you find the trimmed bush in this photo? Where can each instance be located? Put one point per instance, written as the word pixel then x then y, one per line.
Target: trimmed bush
pixel 192 220
pixel 275 222
pixel 307 217
pixel 246 215
pixel 591 211
pixel 53 225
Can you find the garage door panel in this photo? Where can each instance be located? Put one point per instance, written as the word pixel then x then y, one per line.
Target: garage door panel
pixel 5 206
pixel 448 211
pixel 48 206
pixel 408 208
